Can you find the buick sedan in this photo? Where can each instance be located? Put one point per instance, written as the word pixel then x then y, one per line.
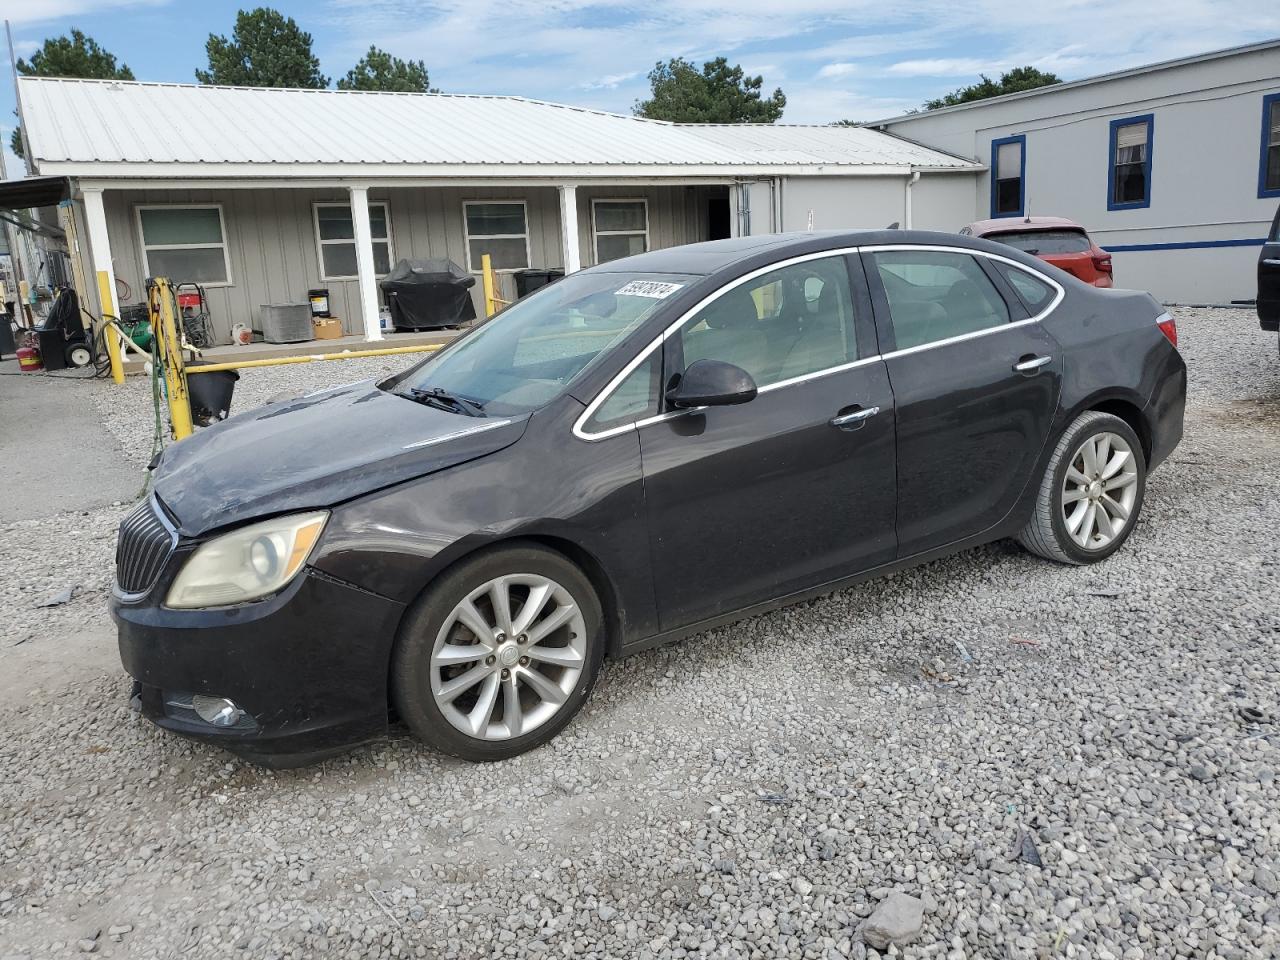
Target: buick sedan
pixel 644 450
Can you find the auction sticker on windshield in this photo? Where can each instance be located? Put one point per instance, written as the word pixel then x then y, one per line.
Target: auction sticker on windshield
pixel 654 289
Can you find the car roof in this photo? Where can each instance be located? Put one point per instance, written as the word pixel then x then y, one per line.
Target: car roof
pixel 711 256
pixel 1013 224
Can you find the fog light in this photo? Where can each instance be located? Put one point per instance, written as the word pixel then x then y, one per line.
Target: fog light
pixel 217 711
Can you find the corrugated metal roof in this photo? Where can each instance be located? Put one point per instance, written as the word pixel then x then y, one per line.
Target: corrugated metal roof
pixel 116 125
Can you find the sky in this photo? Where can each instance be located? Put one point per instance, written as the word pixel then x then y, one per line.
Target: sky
pixel 834 59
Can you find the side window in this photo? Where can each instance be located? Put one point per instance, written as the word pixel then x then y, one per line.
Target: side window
pixel 634 399
pixel 1035 293
pixel 784 324
pixel 1130 162
pixel 935 296
pixel 1008 167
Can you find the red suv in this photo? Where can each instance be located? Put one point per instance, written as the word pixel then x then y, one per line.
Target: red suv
pixel 1064 243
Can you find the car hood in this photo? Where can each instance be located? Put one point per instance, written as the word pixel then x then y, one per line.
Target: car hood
pixel 316 451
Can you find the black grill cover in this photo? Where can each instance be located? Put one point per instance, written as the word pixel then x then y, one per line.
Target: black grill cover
pixel 428 293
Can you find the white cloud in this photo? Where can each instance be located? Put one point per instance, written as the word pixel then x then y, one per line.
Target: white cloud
pixel 598 52
pixel 22 12
pixel 835 70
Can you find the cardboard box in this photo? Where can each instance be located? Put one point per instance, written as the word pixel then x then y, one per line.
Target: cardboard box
pixel 329 328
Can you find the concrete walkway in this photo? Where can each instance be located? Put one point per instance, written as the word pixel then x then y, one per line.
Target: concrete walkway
pixel 54 453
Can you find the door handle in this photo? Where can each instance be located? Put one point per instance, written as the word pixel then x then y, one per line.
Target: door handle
pixel 1031 364
pixel 854 419
pixel 1271 262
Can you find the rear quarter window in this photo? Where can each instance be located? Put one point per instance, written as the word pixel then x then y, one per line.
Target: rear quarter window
pixel 1045 242
pixel 1031 290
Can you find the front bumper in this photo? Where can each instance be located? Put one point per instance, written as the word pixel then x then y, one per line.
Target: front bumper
pixel 308 666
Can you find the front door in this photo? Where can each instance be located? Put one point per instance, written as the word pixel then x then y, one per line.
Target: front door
pixel 976 386
pixel 756 501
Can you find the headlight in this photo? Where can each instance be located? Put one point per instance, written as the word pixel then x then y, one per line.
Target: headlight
pixel 246 564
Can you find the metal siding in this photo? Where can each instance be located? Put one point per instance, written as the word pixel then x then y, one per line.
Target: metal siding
pixel 115 122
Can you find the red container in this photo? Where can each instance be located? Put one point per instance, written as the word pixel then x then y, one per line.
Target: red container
pixel 189 301
pixel 29 360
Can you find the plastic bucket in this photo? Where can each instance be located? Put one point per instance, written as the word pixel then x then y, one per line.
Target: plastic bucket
pixel 210 395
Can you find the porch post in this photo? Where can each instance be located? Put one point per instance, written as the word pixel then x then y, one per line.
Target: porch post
pixel 569 228
pixel 100 246
pixel 364 262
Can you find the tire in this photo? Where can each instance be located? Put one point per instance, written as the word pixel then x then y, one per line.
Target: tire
pixel 437 654
pixel 1050 531
pixel 78 355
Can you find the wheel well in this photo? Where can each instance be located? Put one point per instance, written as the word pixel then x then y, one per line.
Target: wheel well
pixel 1131 415
pixel 581 558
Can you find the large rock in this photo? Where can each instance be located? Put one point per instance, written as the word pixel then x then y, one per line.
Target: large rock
pixel 898 920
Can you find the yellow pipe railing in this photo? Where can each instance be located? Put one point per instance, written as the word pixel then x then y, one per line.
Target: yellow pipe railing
pixel 312 358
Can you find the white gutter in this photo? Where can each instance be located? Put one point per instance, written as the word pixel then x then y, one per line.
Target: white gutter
pixel 413 173
pixel 911 182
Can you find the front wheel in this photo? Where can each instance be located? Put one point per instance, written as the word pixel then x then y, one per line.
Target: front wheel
pixel 499 654
pixel 1091 493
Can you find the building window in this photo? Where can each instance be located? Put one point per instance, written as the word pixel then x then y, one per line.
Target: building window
pixel 336 238
pixel 1129 167
pixel 500 229
pixel 1008 176
pixel 1269 165
pixel 621 228
pixel 184 243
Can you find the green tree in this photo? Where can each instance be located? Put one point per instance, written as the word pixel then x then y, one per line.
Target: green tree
pixel 379 70
pixel 1015 81
pixel 718 93
pixel 74 55
pixel 266 49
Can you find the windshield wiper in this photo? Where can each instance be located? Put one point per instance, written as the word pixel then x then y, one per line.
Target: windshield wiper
pixel 444 400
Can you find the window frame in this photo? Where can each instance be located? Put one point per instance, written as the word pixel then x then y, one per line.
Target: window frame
pixel 1270 103
pixel 1150 120
pixel 1021 140
pixel 138 210
pixel 321 242
pixel 596 233
pixel 466 234
pixel 866 298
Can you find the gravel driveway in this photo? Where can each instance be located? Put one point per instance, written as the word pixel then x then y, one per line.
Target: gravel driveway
pixel 1056 761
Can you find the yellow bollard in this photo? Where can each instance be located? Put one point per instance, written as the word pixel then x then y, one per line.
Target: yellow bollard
pixel 490 286
pixel 109 334
pixel 161 301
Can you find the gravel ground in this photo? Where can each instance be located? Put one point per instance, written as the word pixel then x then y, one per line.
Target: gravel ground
pixel 1056 761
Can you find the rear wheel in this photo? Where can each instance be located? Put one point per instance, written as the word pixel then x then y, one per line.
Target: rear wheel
pixel 1091 493
pixel 499 654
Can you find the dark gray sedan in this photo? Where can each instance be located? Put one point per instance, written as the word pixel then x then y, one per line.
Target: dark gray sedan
pixel 641 451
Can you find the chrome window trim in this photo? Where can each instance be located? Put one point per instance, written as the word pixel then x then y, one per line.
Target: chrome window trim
pixel 582 434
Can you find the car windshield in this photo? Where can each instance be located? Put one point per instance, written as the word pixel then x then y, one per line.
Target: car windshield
pixel 1042 242
pixel 531 352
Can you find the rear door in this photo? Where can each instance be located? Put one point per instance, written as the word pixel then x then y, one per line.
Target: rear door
pixel 1269 279
pixel 975 382
pixel 795 488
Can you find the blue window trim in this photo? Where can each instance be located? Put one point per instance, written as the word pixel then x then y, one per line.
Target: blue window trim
pixel 1150 120
pixel 1021 140
pixel 1263 192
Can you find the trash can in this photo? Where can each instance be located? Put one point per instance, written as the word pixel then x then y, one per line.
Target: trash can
pixel 528 281
pixel 210 394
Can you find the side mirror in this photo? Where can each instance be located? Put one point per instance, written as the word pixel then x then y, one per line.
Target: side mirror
pixel 712 383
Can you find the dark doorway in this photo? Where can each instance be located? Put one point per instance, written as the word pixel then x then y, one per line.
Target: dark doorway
pixel 717 218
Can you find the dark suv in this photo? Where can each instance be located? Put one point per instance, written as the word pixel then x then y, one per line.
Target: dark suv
pixel 1269 279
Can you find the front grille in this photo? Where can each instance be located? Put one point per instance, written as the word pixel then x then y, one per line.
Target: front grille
pixel 144 544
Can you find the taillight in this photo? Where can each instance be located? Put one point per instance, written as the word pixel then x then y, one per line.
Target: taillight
pixel 1102 263
pixel 1169 327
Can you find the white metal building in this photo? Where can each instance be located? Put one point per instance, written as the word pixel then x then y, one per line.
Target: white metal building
pixel 262 194
pixel 1174 168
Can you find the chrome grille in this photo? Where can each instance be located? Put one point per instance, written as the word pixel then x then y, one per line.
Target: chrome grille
pixel 144 544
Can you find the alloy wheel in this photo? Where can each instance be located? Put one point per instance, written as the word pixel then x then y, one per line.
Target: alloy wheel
pixel 1099 490
pixel 508 656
